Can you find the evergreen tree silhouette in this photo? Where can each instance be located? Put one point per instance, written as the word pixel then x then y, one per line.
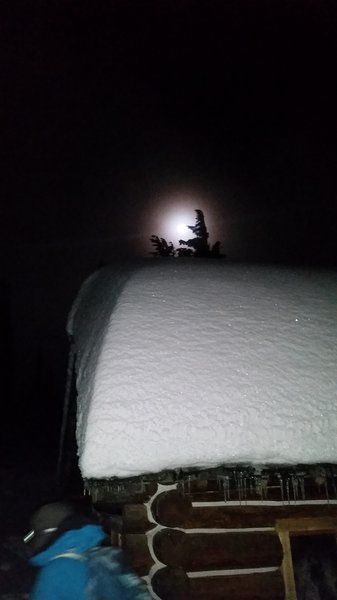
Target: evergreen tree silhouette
pixel 162 248
pixel 197 246
pixel 215 251
pixel 183 252
pixel 200 242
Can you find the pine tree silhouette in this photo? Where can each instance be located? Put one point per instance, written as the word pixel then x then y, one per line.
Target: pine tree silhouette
pixel 162 248
pixel 200 242
pixel 197 246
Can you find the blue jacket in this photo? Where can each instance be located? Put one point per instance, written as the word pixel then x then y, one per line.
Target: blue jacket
pixel 64 578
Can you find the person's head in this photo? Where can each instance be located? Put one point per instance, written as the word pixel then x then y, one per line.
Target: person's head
pixel 48 522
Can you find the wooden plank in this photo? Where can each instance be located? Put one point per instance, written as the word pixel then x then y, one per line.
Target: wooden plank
pixel 299 526
pixel 206 551
pixel 307 525
pixel 232 517
pixel 287 567
pixel 173 584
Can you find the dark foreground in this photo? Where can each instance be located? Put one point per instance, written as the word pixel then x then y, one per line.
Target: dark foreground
pixel 24 486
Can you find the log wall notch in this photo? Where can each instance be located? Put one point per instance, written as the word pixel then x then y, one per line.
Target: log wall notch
pixel 208 562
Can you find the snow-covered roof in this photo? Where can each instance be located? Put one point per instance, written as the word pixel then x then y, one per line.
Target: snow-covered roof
pixel 184 363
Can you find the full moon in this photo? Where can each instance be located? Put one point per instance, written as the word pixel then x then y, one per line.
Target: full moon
pixel 173 212
pixel 182 229
pixel 175 224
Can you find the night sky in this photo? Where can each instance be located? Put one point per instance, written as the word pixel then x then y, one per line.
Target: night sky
pixel 116 115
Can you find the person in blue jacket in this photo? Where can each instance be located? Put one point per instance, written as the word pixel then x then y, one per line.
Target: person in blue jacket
pixel 60 542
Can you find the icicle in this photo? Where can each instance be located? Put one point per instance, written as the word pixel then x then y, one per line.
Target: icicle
pixel 245 489
pixel 258 486
pixel 188 484
pixel 333 482
pixel 319 476
pixel 279 477
pixel 227 487
pixel 239 486
pixel 264 486
pixel 224 481
pixel 288 490
pixel 251 486
pixel 326 489
pixel 235 481
pixel 300 478
pixel 294 483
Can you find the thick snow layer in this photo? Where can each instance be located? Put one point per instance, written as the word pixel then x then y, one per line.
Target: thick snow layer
pixel 184 363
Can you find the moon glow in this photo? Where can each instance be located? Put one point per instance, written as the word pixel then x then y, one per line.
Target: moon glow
pixel 173 212
pixel 182 229
pixel 175 224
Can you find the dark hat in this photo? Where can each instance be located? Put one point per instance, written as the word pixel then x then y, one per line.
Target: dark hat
pixel 45 524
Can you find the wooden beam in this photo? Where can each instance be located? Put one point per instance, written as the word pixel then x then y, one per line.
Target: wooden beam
pixel 299 526
pixel 287 567
pixel 232 517
pixel 206 551
pixel 305 525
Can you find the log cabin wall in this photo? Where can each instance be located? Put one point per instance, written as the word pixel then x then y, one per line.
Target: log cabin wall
pixel 210 538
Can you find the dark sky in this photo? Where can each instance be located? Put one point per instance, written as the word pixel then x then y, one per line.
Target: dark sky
pixel 110 107
pixel 107 106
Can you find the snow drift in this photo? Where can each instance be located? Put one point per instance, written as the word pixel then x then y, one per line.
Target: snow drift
pixel 184 363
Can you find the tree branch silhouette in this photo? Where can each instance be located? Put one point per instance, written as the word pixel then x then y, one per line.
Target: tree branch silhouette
pixel 197 246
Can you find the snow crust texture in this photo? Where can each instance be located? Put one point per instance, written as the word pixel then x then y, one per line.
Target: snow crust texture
pixel 197 363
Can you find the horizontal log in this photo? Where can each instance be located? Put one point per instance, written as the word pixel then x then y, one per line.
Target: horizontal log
pixel 274 483
pixel 206 551
pixel 107 497
pixel 135 519
pixel 173 584
pixel 137 552
pixel 174 509
pixel 217 495
pixel 232 517
pixel 171 508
